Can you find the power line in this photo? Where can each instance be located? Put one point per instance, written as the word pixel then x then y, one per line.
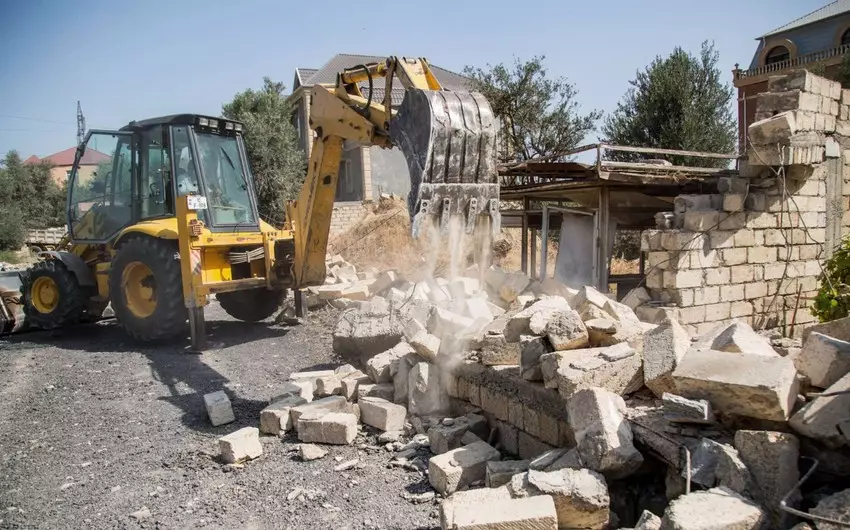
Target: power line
pixel 35 119
pixel 33 130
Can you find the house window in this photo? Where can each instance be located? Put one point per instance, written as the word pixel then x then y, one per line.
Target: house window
pixel 777 54
pixel 845 37
pixel 68 174
pixel 296 122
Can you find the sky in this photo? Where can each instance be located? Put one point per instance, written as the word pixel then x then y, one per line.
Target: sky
pixel 134 60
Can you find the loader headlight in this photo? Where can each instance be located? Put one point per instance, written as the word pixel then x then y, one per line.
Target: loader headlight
pixel 237 127
pixel 203 122
pixel 228 125
pixel 214 124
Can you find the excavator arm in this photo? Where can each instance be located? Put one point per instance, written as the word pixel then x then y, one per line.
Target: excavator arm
pixel 447 138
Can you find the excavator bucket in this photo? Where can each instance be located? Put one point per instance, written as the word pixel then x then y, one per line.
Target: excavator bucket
pixel 449 141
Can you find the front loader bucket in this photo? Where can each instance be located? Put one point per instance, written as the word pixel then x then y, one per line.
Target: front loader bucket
pixel 449 141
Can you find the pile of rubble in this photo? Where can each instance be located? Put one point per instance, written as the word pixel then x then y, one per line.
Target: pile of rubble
pixel 533 405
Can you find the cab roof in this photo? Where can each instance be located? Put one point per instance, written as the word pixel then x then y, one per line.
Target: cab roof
pixel 173 119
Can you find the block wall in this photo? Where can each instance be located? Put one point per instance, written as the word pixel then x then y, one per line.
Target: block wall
pixel 346 214
pixel 754 250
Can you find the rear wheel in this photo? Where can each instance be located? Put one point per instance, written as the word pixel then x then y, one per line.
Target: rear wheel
pixel 251 305
pixel 146 290
pixel 52 296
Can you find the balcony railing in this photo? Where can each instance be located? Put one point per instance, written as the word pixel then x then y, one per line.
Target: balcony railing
pixel 796 62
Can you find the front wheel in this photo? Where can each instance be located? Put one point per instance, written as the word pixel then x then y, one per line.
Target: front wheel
pixel 52 297
pixel 146 290
pixel 251 305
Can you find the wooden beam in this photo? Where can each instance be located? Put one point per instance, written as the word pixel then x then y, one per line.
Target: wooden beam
pixel 653 150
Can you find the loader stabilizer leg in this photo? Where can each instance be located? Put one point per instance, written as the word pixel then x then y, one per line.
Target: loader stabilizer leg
pixel 197 329
pixel 448 140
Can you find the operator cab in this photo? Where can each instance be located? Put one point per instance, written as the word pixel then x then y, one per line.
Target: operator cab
pixel 134 174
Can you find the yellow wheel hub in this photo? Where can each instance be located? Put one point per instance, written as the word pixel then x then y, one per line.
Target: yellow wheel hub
pixel 139 289
pixel 45 295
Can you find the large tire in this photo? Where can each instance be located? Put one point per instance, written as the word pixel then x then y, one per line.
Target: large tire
pixel 52 295
pixel 146 290
pixel 252 305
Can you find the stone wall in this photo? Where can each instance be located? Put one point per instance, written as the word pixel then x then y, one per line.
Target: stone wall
pixel 346 214
pixel 754 250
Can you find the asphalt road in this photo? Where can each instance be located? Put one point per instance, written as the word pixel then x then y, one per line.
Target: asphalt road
pixel 95 427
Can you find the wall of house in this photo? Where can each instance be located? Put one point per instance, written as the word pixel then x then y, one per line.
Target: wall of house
pixel 59 174
pixel 346 214
pixel 350 184
pixel 754 250
pixel 389 172
pixel 821 35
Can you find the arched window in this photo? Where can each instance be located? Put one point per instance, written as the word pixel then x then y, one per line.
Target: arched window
pixel 777 54
pixel 845 37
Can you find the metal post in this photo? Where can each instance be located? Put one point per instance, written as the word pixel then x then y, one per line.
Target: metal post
pixel 524 245
pixel 300 303
pixel 603 243
pixel 533 253
pixel 197 328
pixel 544 234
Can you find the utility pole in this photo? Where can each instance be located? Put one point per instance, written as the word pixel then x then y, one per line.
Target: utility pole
pixel 81 124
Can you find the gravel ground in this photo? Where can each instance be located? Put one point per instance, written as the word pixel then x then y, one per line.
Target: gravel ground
pixel 94 427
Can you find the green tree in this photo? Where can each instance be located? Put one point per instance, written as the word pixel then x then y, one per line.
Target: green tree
pixel 278 164
pixel 677 102
pixel 540 116
pixel 29 198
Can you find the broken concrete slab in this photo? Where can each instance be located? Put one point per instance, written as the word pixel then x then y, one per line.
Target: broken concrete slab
pixel 500 472
pixel 472 499
pixel 442 323
pixel 636 298
pixel 447 436
pixel 378 367
pixel 425 396
pixel 520 323
pixel 400 372
pixel 819 419
pixel 648 521
pixel 460 467
pixel 382 414
pixel 588 295
pixel 275 418
pixel 704 460
pixel 742 384
pixel 383 390
pixel 336 428
pixel 603 436
pixel 739 337
pixel 309 376
pixel 663 348
pixel 732 473
pixel 772 459
pixel 362 336
pixel 683 410
pixel 383 281
pixel 570 460
pixel 618 369
pixel 328 385
pixel 513 285
pixel 496 350
pixel 351 383
pixel 580 495
pixel 218 408
pixel 328 404
pixel 824 359
pixel 531 349
pixel 426 345
pixel 308 452
pixel 240 445
pixel 301 388
pixel 566 331
pixel 714 509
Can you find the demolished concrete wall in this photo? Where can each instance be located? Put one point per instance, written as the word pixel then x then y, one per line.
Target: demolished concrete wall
pixel 753 250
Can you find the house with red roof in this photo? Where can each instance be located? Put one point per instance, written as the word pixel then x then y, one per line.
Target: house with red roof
pixel 63 161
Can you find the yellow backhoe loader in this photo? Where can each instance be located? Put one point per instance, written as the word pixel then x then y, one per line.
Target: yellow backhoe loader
pixel 169 215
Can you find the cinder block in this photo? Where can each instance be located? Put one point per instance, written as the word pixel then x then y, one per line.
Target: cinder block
pixel 733 256
pixel 530 447
pixel 682 279
pixel 706 295
pixel 718 276
pixel 761 220
pixel 755 290
pixel 495 403
pixel 243 444
pixel 756 202
pixel 701 259
pixel 339 428
pixel 740 309
pixel 692 315
pixel 721 238
pixel 745 238
pixel 761 254
pixel 716 312
pixel 733 202
pixel 742 273
pixel 382 414
pixel 701 220
pixel 732 293
pixel 650 240
pixel 733 221
pixel 460 467
pixel 218 408
pixel 275 418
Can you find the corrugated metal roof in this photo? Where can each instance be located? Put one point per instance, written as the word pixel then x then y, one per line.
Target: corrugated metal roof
pixel 830 10
pixel 327 75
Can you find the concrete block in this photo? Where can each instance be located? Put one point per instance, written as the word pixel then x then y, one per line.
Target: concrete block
pixel 328 385
pixel 362 335
pixel 425 397
pixel 566 331
pixel 580 495
pixel 513 285
pixel 442 323
pixel 682 410
pixel 739 337
pixel 819 419
pixel 301 388
pixel 444 438
pixel 337 428
pixel 472 499
pixel 533 513
pixel 714 509
pixel 835 507
pixel 744 384
pixel 824 359
pixel 531 349
pixel 426 345
pixel 543 461
pixel 520 323
pixel 663 349
pixel 328 404
pixel 275 418
pixel 382 414
pixel 383 390
pixel 648 521
pixel 530 447
pixel 636 297
pixel 500 472
pixel 777 129
pixel 682 279
pixel 494 402
pixel 733 202
pixel 378 367
pixel 772 458
pixel 460 467
pixel 496 350
pixel 733 221
pixel 700 220
pixel 240 445
pixel 218 408
pixel 615 368
pixel 400 371
pixel 795 80
pixel 350 384
pixel 603 436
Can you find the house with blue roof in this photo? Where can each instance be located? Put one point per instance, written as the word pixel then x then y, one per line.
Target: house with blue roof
pixel 816 41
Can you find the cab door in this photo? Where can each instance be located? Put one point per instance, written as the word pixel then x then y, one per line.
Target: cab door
pixel 100 198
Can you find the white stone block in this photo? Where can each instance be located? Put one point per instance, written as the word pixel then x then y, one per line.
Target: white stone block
pixel 460 467
pixel 382 414
pixel 243 444
pixel 218 408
